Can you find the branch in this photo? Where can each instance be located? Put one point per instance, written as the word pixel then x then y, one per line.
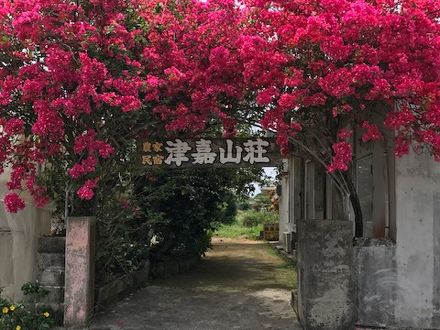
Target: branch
pixel 337 177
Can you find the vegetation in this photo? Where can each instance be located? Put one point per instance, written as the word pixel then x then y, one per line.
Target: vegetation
pixel 286 272
pixel 24 316
pixel 236 230
pixel 186 206
pixel 166 215
pixel 249 223
pixel 255 218
pixel 80 81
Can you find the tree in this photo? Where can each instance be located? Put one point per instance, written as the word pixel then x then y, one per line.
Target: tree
pixel 323 68
pixel 183 207
pixel 80 81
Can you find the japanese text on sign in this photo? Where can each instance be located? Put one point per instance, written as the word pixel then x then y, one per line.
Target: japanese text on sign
pixel 179 153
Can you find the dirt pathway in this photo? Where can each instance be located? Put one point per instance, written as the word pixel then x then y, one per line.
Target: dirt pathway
pixel 241 284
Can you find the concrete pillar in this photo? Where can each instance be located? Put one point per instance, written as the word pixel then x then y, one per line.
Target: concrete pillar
pixel 417 241
pixel 284 202
pixel 80 271
pixel 326 290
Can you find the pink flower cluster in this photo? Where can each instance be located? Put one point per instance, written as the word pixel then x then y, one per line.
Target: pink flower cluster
pixel 87 143
pixel 86 191
pixel 371 132
pixel 347 60
pixel 74 73
pixel 342 152
pixel 13 203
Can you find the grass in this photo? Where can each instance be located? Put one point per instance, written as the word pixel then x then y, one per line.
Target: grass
pixel 284 270
pixel 248 224
pixel 236 230
pixel 253 218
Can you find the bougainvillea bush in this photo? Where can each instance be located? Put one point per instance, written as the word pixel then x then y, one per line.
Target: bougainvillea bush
pixel 325 68
pixel 316 64
pixel 79 80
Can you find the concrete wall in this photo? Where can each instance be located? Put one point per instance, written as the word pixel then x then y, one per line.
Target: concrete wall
pixel 18 243
pixel 326 296
pixel 417 241
pixel 399 285
pixel 375 269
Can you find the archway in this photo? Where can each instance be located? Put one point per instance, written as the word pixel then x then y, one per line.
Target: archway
pixel 241 255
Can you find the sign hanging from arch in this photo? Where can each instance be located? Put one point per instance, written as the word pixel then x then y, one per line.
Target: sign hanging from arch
pixel 206 152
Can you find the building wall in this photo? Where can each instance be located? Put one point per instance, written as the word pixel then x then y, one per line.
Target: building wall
pixel 18 243
pixel 373 179
pixel 417 241
pixel 399 285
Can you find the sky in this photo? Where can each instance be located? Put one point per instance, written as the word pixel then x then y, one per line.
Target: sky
pixel 270 172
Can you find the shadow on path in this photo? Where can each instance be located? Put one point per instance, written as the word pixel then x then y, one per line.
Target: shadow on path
pixel 241 284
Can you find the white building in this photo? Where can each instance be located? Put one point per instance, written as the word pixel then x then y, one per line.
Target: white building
pixel 397 271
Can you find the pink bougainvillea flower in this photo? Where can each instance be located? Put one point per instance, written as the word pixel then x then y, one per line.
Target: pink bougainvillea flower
pixel 96 71
pixel 86 191
pixel 13 203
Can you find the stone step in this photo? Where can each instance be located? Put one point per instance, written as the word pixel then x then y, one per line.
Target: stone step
pixel 50 260
pixel 51 244
pixel 51 277
pixel 55 294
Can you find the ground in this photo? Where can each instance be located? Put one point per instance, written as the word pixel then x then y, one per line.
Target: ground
pixel 241 284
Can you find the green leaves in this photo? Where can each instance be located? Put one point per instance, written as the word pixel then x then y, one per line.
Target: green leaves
pixel 18 316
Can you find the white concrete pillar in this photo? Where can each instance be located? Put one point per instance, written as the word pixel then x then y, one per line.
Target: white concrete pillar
pixel 284 201
pixel 417 240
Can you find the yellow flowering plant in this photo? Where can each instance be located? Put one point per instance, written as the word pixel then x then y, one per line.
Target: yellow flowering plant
pixel 17 316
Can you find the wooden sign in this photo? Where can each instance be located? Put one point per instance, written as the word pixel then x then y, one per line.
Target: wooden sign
pixel 271 231
pixel 207 152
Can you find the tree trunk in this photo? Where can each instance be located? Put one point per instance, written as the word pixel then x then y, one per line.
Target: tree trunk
pixel 358 219
pixel 356 204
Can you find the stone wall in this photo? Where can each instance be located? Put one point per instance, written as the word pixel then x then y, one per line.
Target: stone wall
pixel 417 200
pixel 51 259
pixel 19 233
pixel 114 290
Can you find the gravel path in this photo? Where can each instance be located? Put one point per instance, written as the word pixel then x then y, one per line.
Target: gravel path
pixel 241 284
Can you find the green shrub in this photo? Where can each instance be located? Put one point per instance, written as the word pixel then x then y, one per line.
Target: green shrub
pixel 122 240
pixel 18 316
pixel 261 202
pixel 164 214
pixel 254 218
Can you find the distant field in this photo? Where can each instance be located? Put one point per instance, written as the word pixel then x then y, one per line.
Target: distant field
pixel 248 224
pixel 239 231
